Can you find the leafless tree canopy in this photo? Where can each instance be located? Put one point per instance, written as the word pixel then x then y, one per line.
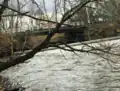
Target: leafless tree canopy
pixel 69 14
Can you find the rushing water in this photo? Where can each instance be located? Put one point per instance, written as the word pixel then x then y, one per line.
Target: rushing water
pixel 59 70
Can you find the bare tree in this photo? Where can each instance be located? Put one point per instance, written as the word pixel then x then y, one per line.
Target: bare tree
pixel 47 42
pixel 67 15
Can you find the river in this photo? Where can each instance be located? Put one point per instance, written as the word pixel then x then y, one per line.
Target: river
pixel 59 70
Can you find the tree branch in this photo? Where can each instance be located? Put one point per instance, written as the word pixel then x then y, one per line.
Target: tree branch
pixel 2 9
pixel 41 46
pixel 26 14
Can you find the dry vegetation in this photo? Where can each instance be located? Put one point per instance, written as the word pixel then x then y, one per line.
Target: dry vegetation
pixel 26 43
pixel 4 45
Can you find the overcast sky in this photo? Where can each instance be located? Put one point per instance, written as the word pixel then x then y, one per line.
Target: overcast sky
pixel 29 7
pixel 49 4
